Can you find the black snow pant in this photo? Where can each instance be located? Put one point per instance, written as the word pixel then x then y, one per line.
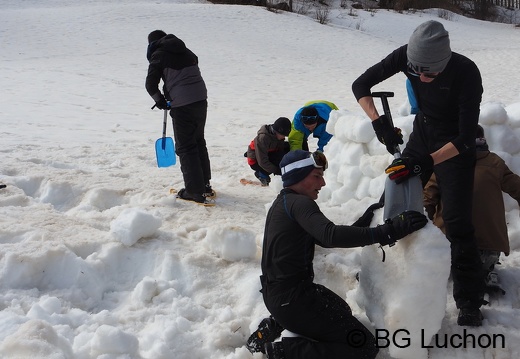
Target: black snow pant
pixel 188 128
pixel 324 320
pixel 455 179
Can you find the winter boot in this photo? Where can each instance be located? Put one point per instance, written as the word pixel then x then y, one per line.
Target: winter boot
pixel 200 199
pixel 274 350
pixel 209 193
pixel 489 260
pixel 493 284
pixel 263 178
pixel 268 330
pixel 470 317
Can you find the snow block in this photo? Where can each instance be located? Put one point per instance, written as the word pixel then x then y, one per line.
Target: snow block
pixel 405 296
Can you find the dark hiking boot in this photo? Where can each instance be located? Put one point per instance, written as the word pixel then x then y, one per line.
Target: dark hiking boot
pixel 274 350
pixel 469 317
pixel 263 178
pixel 489 259
pixel 200 199
pixel 268 330
pixel 209 193
pixel 265 181
pixel 493 284
pixel 184 194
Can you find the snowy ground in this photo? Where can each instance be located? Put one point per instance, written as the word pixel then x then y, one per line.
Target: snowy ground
pixel 97 260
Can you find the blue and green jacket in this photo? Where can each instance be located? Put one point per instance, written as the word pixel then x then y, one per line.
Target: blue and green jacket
pixel 299 133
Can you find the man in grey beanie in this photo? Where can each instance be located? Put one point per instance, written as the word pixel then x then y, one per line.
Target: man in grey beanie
pixel 429 48
pixel 448 88
pixel 294 226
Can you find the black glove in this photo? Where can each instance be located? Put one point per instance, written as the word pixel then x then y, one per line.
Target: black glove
pixel 366 218
pixel 400 226
pixel 162 104
pixel 403 168
pixel 386 134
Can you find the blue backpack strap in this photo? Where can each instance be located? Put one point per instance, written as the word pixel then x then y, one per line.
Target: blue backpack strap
pixel 285 206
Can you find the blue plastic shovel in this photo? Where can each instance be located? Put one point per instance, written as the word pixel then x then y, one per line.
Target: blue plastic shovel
pixel 164 147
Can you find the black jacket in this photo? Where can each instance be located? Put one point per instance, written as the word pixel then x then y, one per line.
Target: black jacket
pixel 451 102
pixel 171 61
pixel 294 225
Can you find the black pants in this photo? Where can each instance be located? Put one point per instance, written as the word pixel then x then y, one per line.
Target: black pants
pixel 455 179
pixel 324 320
pixel 188 127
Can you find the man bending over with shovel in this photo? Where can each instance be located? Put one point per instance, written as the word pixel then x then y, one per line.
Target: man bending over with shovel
pixel 184 88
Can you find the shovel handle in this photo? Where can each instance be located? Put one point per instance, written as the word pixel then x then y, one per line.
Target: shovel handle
pixel 164 123
pixel 384 95
pixel 384 101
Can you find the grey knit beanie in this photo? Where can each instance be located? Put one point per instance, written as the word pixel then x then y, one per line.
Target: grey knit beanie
pixel 429 48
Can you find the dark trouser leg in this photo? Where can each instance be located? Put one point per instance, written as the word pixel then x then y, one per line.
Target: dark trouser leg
pixel 455 178
pixel 305 144
pixel 327 321
pixel 200 110
pixel 188 124
pixel 275 157
pixel 256 167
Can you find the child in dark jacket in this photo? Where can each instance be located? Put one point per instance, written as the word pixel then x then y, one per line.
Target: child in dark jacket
pixel 266 150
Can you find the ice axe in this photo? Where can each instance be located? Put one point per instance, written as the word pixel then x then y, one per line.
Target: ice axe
pixel 407 195
pixel 164 147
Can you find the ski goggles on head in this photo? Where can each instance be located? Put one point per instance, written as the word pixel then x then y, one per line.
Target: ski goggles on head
pixel 309 120
pixel 316 159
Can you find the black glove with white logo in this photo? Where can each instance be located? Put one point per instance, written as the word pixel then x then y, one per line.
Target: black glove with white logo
pixel 403 168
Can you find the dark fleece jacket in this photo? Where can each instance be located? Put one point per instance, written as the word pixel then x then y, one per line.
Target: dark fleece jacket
pixel 171 61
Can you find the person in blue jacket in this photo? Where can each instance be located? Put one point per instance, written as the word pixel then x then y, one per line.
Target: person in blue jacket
pixel 311 119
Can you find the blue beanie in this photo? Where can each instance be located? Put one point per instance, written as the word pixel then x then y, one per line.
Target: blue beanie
pixel 295 175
